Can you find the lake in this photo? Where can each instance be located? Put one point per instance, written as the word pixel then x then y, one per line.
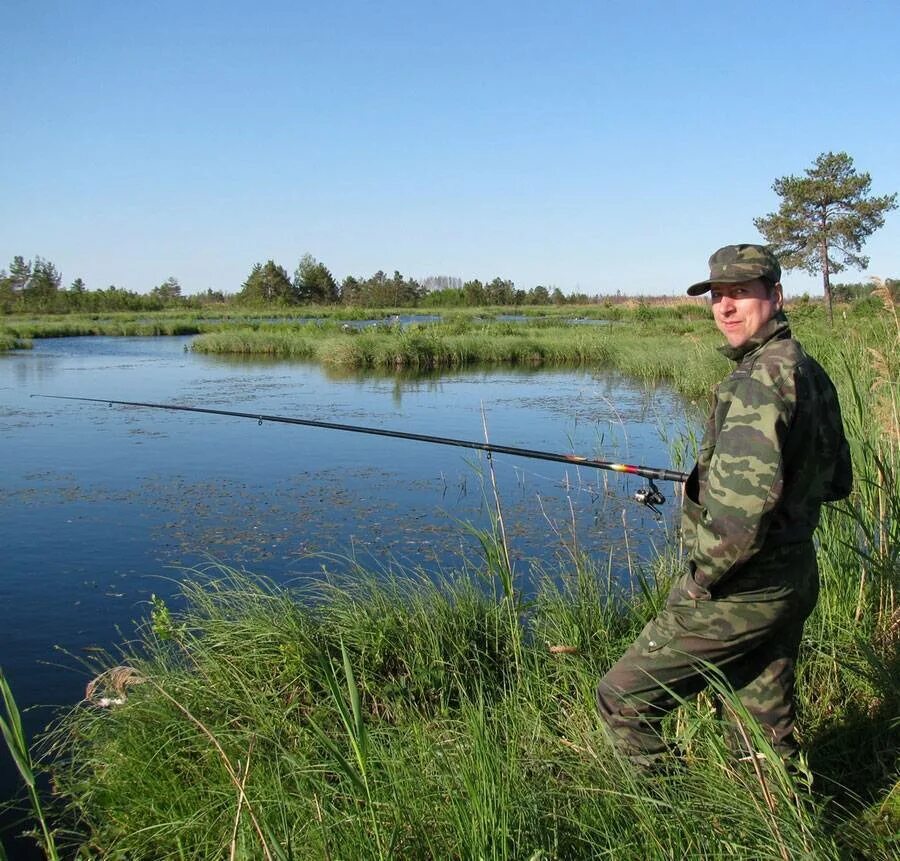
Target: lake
pixel 104 506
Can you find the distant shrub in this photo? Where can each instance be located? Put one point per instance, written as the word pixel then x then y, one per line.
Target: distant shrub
pixel 870 306
pixel 644 313
pixel 693 311
pixel 805 310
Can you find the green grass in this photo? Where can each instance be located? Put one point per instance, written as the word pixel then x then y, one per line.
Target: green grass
pixel 14 737
pixel 390 714
pixel 77 325
pixel 9 342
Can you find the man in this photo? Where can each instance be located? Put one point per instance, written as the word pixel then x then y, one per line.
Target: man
pixel 774 450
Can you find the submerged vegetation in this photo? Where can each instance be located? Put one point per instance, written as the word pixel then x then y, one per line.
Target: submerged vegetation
pixel 404 715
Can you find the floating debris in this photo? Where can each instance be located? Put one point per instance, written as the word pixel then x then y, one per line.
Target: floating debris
pixel 563 650
pixel 109 688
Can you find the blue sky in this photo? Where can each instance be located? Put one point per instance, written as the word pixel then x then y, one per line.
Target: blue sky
pixel 589 146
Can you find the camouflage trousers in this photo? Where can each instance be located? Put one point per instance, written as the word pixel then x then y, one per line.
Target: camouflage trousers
pixel 749 629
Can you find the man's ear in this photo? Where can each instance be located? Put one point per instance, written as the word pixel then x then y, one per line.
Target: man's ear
pixel 778 295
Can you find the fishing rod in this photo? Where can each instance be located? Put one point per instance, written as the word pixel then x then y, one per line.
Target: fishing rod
pixel 649 496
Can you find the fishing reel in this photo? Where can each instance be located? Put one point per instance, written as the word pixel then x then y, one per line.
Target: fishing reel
pixel 650 496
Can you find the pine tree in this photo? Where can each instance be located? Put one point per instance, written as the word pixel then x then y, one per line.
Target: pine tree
pixel 824 219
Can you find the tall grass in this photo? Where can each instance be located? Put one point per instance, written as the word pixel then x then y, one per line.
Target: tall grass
pixel 14 738
pixel 386 718
pixel 851 666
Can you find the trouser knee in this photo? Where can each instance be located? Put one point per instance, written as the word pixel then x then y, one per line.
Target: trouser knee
pixel 631 725
pixel 608 702
pixel 616 706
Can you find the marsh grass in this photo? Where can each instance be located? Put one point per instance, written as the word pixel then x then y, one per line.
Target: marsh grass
pixel 77 325
pixel 645 351
pixel 12 342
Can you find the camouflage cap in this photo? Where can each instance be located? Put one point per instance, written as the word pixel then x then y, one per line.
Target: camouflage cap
pixel 735 264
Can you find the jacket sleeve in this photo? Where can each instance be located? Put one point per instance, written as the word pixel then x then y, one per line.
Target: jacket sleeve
pixel 745 480
pixel 841 481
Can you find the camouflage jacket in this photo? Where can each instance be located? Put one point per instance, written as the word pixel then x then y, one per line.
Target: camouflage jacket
pixel 774 450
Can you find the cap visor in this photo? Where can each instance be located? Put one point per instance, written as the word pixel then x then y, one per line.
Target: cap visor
pixel 701 287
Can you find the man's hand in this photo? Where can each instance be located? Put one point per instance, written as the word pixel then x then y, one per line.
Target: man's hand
pixel 694 590
pixel 686 588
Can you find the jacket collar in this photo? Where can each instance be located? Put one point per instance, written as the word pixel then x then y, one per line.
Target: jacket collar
pixel 776 327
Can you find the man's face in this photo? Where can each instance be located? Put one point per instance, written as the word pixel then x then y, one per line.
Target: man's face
pixel 741 309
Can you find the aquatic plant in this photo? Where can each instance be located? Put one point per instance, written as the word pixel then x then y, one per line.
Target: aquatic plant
pixel 14 738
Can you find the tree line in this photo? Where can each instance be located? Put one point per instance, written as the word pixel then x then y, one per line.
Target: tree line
pixel 36 286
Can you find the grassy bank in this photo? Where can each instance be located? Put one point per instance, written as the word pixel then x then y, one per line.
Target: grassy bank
pixel 16 330
pixel 77 325
pixel 408 719
pixel 672 344
pixel 378 715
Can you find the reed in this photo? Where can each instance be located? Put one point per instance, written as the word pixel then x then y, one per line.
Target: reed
pixel 14 738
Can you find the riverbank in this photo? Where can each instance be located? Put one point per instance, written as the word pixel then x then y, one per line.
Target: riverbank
pixel 639 342
pixel 392 716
